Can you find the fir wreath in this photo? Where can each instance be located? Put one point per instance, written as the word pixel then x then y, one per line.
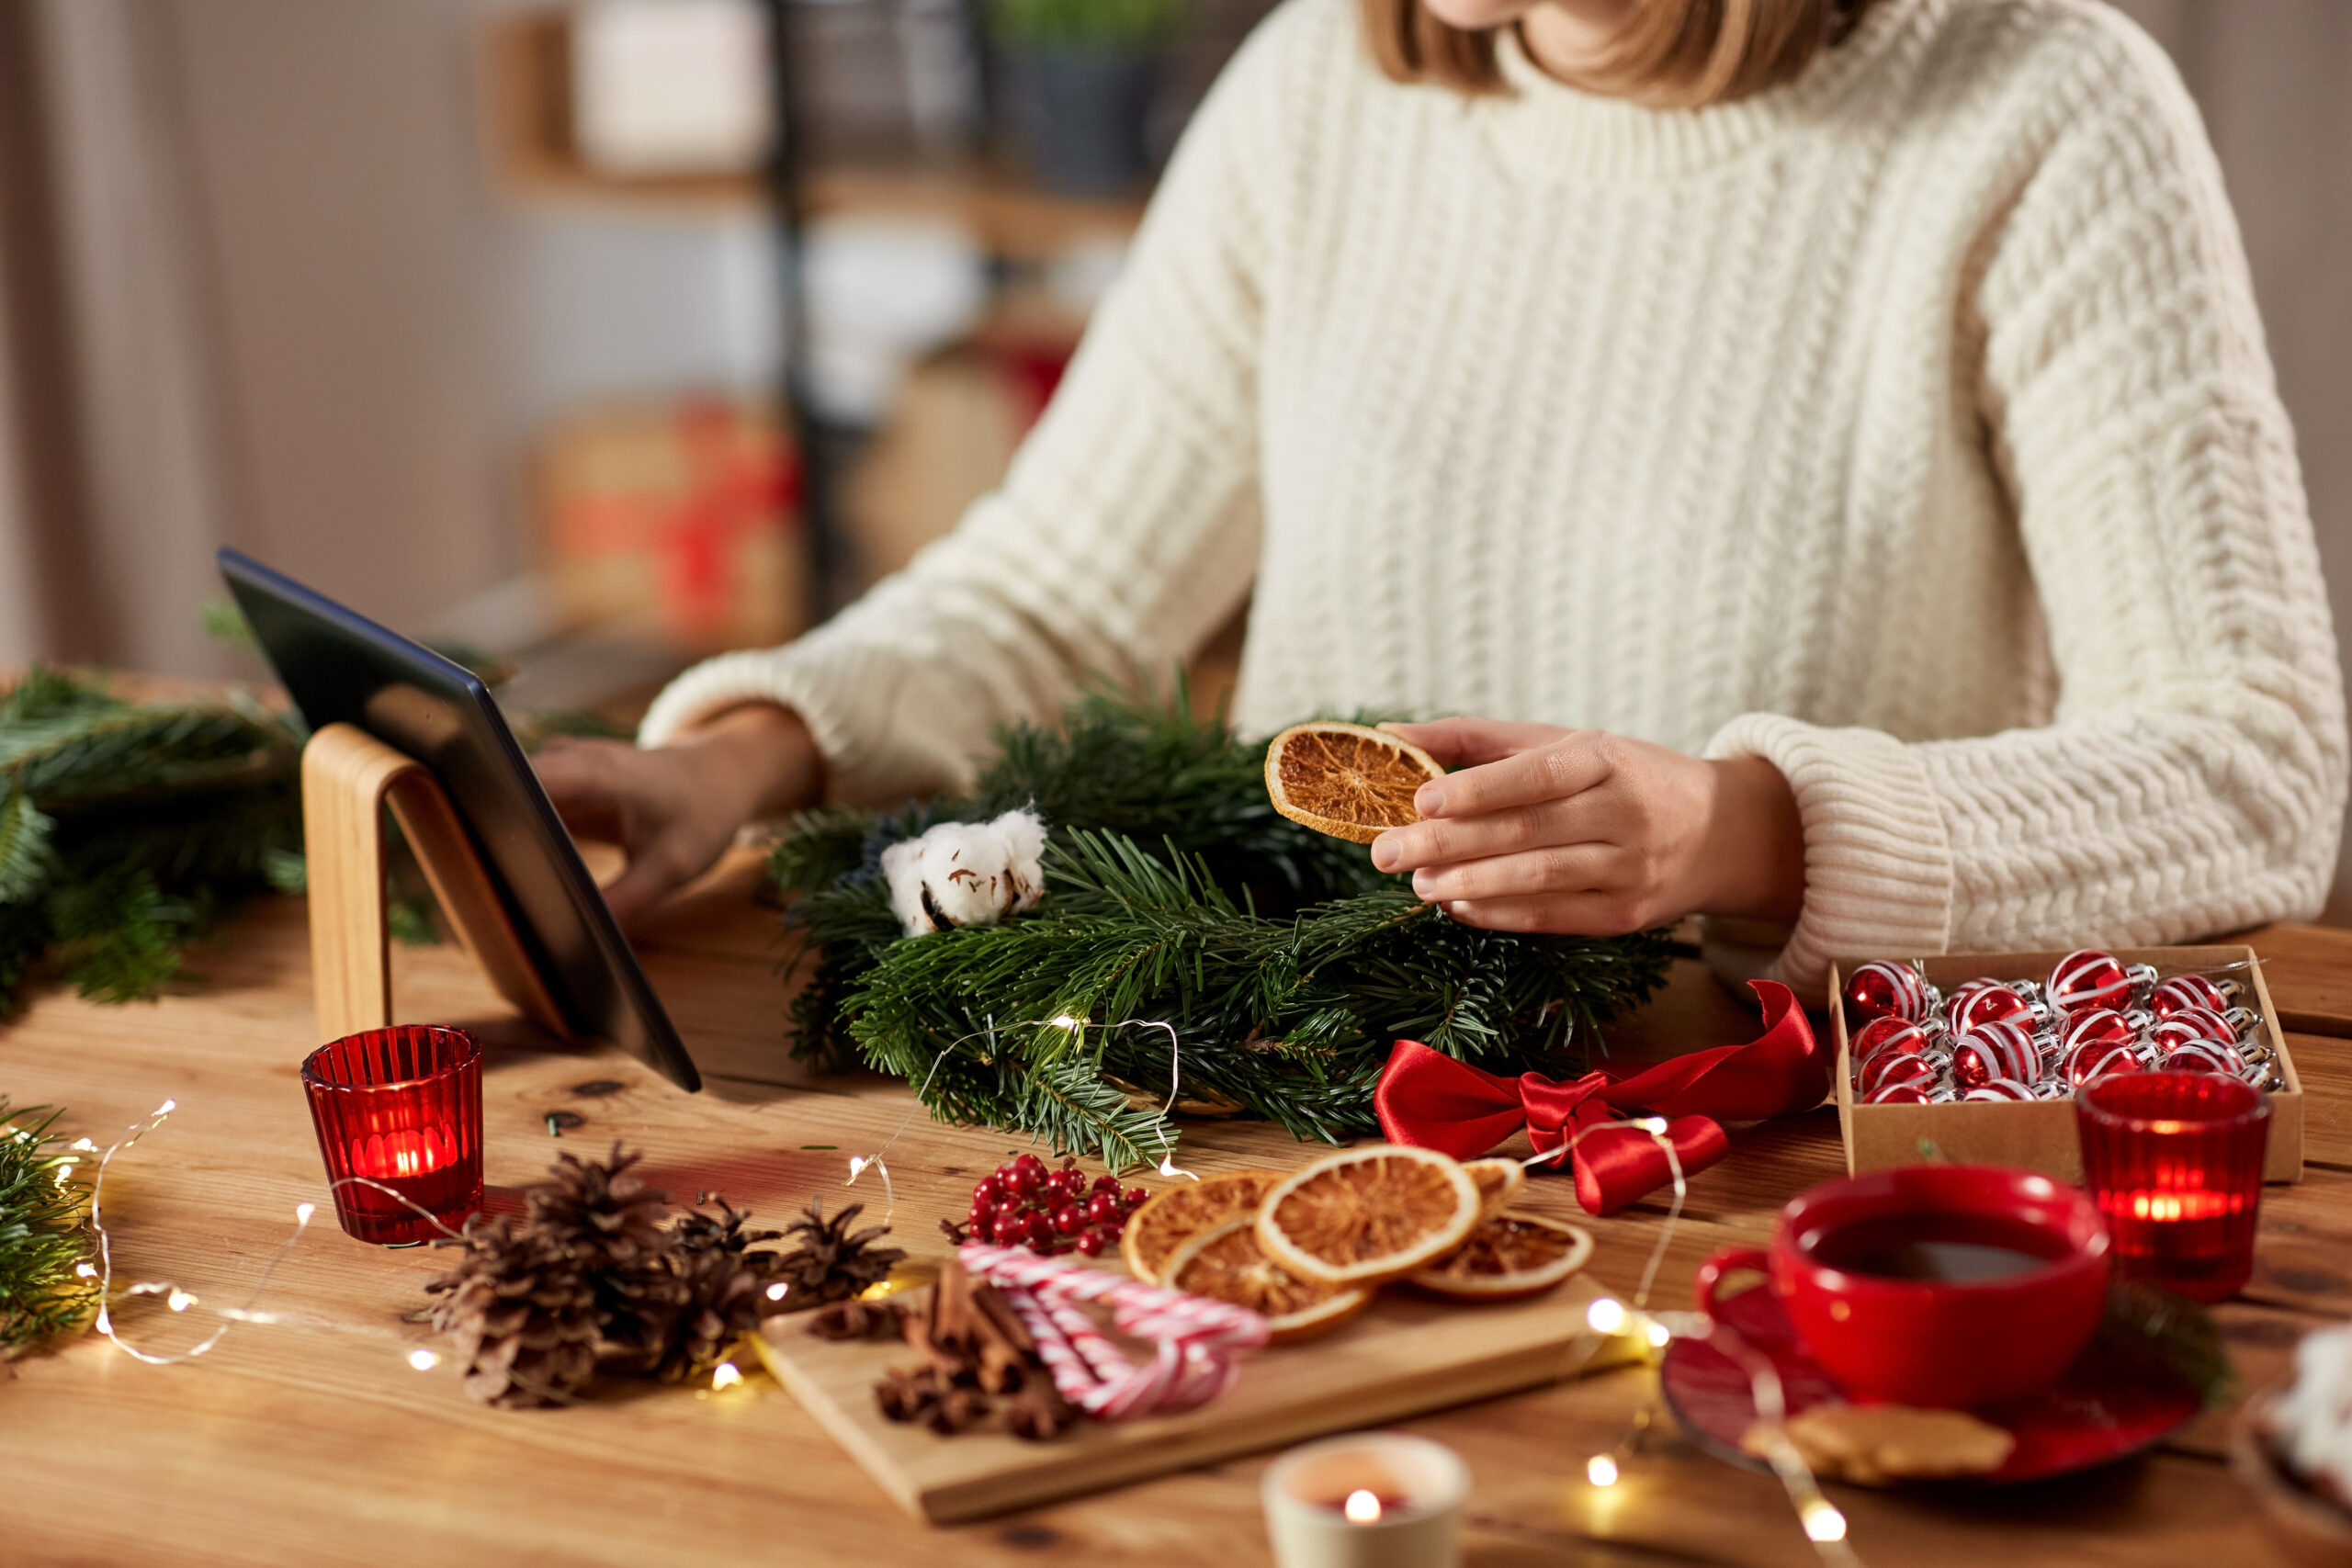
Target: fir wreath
pixel 1173 892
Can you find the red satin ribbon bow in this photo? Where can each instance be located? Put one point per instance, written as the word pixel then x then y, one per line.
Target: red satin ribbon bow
pixel 1429 1100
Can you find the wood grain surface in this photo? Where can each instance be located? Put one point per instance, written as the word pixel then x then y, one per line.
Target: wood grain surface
pixel 312 1441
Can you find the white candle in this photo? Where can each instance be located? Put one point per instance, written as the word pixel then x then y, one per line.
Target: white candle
pixel 1367 1500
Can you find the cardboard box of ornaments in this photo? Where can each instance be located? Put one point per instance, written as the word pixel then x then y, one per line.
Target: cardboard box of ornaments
pixel 2040 1134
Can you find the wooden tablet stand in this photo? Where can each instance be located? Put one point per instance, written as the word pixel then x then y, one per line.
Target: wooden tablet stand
pixel 348 777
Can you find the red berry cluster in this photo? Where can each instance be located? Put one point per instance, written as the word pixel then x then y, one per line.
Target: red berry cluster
pixel 1022 1203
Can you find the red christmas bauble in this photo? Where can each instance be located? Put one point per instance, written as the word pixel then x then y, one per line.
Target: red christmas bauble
pixel 2088 979
pixel 1890 1034
pixel 2205 1057
pixel 1888 989
pixel 2001 1049
pixel 1888 1069
pixel 2186 991
pixel 2000 1088
pixel 2096 1024
pixel 2233 1025
pixel 1966 992
pixel 1899 1094
pixel 1989 1002
pixel 2097 1058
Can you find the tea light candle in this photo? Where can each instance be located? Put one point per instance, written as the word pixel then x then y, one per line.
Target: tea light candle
pixel 1367 1500
pixel 400 1107
pixel 2175 1162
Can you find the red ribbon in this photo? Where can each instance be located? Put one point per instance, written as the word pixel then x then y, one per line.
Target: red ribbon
pixel 1431 1100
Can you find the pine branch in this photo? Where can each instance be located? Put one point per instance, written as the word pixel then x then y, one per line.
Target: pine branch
pixel 41 1236
pixel 119 938
pixel 124 825
pixel 24 858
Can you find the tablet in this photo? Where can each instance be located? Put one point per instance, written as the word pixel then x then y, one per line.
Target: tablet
pixel 340 667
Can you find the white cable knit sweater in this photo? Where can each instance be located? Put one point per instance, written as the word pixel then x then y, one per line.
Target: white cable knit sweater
pixel 1911 426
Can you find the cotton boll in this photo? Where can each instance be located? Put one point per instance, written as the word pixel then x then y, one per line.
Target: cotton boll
pixel 2314 1419
pixel 966 874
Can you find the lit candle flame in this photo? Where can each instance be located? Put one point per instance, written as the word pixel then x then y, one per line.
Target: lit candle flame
pixel 1362 1508
pixel 726 1375
pixel 422 1359
pixel 1601 1470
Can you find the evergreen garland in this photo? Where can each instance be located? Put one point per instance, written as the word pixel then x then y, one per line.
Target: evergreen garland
pixel 1174 891
pixel 41 1239
pixel 124 826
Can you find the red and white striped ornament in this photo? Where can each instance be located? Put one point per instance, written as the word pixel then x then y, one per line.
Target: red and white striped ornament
pixel 1900 1094
pixel 1988 1001
pixel 2096 1024
pixel 2001 1049
pixel 2191 1024
pixel 2001 1089
pixel 2190 991
pixel 2097 1058
pixel 1899 1037
pixel 1889 1068
pixel 1193 1338
pixel 2205 1057
pixel 1887 988
pixel 2089 978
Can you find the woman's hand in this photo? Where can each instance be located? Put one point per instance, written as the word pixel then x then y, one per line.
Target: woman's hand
pixel 675 809
pixel 1586 833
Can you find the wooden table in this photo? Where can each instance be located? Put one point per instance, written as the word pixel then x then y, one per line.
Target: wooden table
pixel 312 1440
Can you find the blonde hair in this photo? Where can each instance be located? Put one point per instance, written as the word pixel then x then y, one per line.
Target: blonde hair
pixel 1673 54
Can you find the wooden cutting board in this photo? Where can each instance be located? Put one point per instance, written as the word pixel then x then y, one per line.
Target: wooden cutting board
pixel 1404 1356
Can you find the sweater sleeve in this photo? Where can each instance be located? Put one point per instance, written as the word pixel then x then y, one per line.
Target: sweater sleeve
pixel 1125 530
pixel 2192 778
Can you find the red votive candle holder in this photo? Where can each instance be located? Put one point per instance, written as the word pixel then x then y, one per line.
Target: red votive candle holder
pixel 2174 1161
pixel 402 1107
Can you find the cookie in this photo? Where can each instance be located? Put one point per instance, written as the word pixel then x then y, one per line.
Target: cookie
pixel 1875 1444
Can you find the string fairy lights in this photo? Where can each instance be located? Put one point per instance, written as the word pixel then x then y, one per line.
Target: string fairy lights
pixel 174 1297
pixel 1607 1318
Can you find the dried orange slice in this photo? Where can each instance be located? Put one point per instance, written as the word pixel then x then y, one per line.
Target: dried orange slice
pixel 1369 1215
pixel 1346 780
pixel 1169 1219
pixel 1507 1256
pixel 1498 1181
pixel 1223 1263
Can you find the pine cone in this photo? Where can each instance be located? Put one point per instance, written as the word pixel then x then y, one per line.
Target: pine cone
pixel 602 1216
pixel 611 1226
pixel 829 1263
pixel 720 1285
pixel 523 1316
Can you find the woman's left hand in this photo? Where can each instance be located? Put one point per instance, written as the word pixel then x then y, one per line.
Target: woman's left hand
pixel 1586 833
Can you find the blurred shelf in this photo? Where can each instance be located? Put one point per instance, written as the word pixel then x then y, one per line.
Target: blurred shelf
pixel 526 91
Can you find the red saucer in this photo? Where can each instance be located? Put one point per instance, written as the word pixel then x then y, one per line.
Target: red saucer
pixel 2118 1398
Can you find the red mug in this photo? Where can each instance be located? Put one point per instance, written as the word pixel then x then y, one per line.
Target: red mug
pixel 1937 1284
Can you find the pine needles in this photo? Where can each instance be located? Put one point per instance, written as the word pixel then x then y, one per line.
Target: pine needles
pixel 41 1237
pixel 124 825
pixel 1175 896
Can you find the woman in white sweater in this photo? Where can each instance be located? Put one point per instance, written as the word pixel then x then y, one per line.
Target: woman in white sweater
pixel 1834 444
